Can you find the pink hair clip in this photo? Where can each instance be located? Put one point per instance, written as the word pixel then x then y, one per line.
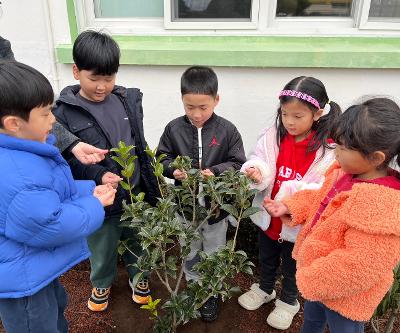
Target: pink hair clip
pixel 300 95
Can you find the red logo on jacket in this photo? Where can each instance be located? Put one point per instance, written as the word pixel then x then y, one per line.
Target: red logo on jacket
pixel 214 142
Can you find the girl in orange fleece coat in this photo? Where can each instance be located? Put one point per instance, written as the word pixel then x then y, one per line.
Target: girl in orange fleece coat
pixel 350 241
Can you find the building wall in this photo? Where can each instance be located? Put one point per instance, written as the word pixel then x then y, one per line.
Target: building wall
pixel 248 95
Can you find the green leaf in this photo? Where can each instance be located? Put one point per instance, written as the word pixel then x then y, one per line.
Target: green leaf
pixel 119 160
pixel 242 253
pixel 140 196
pixel 131 159
pixel 160 157
pixel 137 278
pixel 129 170
pixel 149 152
pixel 158 170
pixel 230 209
pixel 121 248
pixel 125 185
pixel 171 263
pixel 248 270
pixel 235 290
pixel 250 211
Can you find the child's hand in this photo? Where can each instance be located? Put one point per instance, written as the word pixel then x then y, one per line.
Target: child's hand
pixel 111 178
pixel 105 194
pixel 254 174
pixel 275 208
pixel 88 154
pixel 179 174
pixel 207 173
pixel 101 189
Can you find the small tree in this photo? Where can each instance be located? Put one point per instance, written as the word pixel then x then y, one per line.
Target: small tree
pixel 389 305
pixel 168 229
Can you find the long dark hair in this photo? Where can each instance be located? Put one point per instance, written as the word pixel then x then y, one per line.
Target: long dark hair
pixel 371 126
pixel 325 126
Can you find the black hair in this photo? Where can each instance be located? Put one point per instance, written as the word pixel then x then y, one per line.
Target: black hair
pixel 96 51
pixel 325 126
pixel 199 80
pixel 371 126
pixel 6 52
pixel 22 88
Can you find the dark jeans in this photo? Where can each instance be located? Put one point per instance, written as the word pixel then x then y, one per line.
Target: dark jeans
pixel 42 312
pixel 317 315
pixel 272 253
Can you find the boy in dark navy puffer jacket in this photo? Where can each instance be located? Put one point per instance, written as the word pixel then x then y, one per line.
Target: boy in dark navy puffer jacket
pixel 103 114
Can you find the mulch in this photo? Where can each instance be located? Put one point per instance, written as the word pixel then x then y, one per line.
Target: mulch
pixel 124 316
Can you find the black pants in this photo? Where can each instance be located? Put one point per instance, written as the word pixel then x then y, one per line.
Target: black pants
pixel 271 254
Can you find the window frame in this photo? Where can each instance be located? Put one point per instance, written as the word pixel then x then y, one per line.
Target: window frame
pixel 263 22
pixel 310 23
pixel 245 50
pixel 366 24
pixel 169 24
pixel 86 19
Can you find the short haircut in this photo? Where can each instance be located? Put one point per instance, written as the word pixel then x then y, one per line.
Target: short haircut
pixel 96 51
pixel 22 88
pixel 199 80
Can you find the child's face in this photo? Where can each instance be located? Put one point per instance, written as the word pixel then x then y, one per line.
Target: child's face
pixel 38 126
pixel 199 108
pixel 298 119
pixel 353 162
pixel 94 88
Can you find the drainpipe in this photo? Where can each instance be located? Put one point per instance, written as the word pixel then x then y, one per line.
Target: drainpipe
pixel 50 37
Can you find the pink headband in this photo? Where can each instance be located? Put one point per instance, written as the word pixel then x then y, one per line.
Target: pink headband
pixel 300 95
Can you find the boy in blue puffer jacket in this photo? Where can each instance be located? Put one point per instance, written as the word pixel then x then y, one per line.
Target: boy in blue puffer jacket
pixel 45 215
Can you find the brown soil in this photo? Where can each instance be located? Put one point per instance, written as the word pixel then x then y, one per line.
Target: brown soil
pixel 123 316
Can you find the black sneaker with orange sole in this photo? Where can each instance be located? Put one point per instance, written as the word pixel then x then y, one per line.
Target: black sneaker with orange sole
pixel 140 292
pixel 98 300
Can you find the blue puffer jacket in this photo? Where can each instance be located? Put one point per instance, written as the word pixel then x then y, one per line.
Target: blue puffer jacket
pixel 45 216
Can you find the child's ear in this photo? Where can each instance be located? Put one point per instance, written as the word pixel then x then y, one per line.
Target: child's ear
pixel 11 123
pixel 75 71
pixel 216 100
pixel 377 158
pixel 318 114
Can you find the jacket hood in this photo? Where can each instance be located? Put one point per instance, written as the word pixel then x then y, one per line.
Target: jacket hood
pixel 43 149
pixel 67 95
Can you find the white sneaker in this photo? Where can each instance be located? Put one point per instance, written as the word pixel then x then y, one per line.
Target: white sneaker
pixel 282 316
pixel 255 297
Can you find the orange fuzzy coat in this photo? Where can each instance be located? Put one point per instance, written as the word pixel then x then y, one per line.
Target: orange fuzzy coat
pixel 346 260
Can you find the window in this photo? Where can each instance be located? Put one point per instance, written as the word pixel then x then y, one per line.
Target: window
pixel 120 17
pixel 380 15
pixel 231 10
pixel 128 8
pixel 211 14
pixel 342 8
pixel 384 9
pixel 253 17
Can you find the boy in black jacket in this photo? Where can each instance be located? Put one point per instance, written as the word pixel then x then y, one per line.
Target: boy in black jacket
pixel 214 144
pixel 102 114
